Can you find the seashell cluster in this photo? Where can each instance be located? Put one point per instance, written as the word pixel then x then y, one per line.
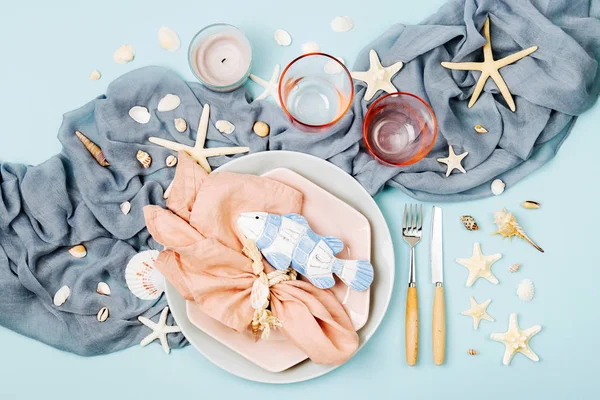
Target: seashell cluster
pixel 78 251
pixel 102 314
pixel 531 205
pixel 124 54
pixel 498 187
pixel 514 268
pixel 342 24
pixel 224 126
pixel 95 75
pixel 508 227
pixel 472 352
pixel 171 161
pixel 310 47
pixel 61 296
pixel 139 114
pixel 180 125
pixel 282 37
pixel 143 279
pixel 480 129
pixel 125 207
pixel 469 223
pixel 261 128
pixel 93 149
pixel 144 158
pixel 103 289
pixel 168 103
pixel 525 291
pixel 168 39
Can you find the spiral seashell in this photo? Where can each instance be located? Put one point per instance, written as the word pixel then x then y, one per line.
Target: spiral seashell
pixel 93 149
pixel 61 296
pixel 144 158
pixel 514 268
pixel 525 291
pixel 469 223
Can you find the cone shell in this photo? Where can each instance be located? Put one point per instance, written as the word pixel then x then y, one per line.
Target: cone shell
pixel 142 278
pixel 103 289
pixel 78 251
pixel 144 158
pixel 61 296
pixel 469 223
pixel 526 290
pixel 94 150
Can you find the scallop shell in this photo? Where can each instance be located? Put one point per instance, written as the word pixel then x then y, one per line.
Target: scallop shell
pixel 102 314
pixel 469 223
pixel 310 47
pixel 142 278
pixel 498 186
pixel 95 75
pixel 224 126
pixel 331 67
pixel 531 205
pixel 508 227
pixel 261 128
pixel 480 129
pixel 103 289
pixel 283 38
pixel 168 103
pixel 139 114
pixel 61 296
pixel 180 125
pixel 78 251
pixel 514 268
pixel 125 207
pixel 259 297
pixel 144 158
pixel 342 24
pixel 168 39
pixel 171 161
pixel 124 54
pixel 526 290
pixel 93 148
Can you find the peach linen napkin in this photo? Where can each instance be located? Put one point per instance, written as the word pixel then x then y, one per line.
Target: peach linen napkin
pixel 203 259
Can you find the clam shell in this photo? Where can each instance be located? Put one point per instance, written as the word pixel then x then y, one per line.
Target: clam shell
pixel 331 67
pixel 139 114
pixel 124 54
pixel 102 314
pixel 78 251
pixel 168 39
pixel 526 290
pixel 514 268
pixel 283 38
pixel 261 128
pixel 103 289
pixel 342 24
pixel 95 75
pixel 61 296
pixel 498 187
pixel 125 207
pixel 310 47
pixel 142 278
pixel 93 149
pixel 480 129
pixel 144 158
pixel 168 103
pixel 180 125
pixel 171 161
pixel 531 205
pixel 224 126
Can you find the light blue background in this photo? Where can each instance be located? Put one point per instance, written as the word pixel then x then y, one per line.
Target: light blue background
pixel 48 51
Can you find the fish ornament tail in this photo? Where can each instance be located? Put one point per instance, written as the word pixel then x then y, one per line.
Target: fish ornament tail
pixel 356 274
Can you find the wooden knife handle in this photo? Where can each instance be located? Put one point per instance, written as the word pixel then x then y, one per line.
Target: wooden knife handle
pixel 412 326
pixel 439 326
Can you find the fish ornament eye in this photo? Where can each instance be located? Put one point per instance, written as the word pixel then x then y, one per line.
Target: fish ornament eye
pixel 257 217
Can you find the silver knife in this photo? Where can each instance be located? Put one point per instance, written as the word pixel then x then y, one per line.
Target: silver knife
pixel 437 278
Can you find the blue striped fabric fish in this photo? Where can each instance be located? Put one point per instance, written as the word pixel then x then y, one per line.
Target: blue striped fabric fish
pixel 288 240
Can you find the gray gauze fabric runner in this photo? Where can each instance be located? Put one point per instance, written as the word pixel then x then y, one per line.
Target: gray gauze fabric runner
pixel 70 199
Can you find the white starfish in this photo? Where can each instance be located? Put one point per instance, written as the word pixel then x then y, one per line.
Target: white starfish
pixel 271 87
pixel 378 77
pixel 198 152
pixel 159 330
pixel 489 68
pixel 478 312
pixel 453 161
pixel 516 340
pixel 479 266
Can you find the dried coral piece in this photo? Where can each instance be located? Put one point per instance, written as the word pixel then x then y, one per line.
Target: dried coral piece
pixel 171 161
pixel 469 223
pixel 480 129
pixel 144 158
pixel 125 207
pixel 525 291
pixel 472 352
pixel 61 296
pixel 514 268
pixel 180 125
pixel 261 128
pixel 102 314
pixel 508 227
pixel 78 251
pixel 93 148
pixel 531 205
pixel 103 289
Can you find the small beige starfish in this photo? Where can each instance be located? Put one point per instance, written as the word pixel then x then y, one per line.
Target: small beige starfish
pixel 160 330
pixel 453 161
pixel 478 312
pixel 489 68
pixel 198 152
pixel 378 77
pixel 516 340
pixel 271 87
pixel 479 266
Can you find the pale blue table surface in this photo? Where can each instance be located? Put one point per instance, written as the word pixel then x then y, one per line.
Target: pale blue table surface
pixel 48 51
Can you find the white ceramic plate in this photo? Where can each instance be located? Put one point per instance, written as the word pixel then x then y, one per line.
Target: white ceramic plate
pixel 340 184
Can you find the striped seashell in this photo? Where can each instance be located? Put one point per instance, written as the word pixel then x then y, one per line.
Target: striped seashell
pixel 514 268
pixel 143 279
pixel 93 148
pixel 144 158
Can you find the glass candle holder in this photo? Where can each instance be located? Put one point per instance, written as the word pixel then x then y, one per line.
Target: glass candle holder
pixel 220 56
pixel 315 91
pixel 399 129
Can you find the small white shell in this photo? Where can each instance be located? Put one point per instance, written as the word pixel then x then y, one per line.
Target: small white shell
pixel 168 103
pixel 125 207
pixel 95 75
pixel 526 290
pixel 283 38
pixel 124 54
pixel 342 24
pixel 168 38
pixel 224 126
pixel 310 47
pixel 143 279
pixel 514 268
pixel 103 289
pixel 139 114
pixel 180 124
pixel 331 67
pixel 480 129
pixel 167 192
pixel 102 314
pixel 78 251
pixel 61 296
pixel 171 161
pixel 259 297
pixel 498 187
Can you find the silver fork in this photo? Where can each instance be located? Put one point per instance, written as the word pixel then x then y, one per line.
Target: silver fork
pixel 412 230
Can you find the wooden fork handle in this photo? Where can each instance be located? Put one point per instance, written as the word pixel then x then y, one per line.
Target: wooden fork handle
pixel 412 326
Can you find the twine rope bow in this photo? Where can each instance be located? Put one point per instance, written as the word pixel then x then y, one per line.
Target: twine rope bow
pixel 263 320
